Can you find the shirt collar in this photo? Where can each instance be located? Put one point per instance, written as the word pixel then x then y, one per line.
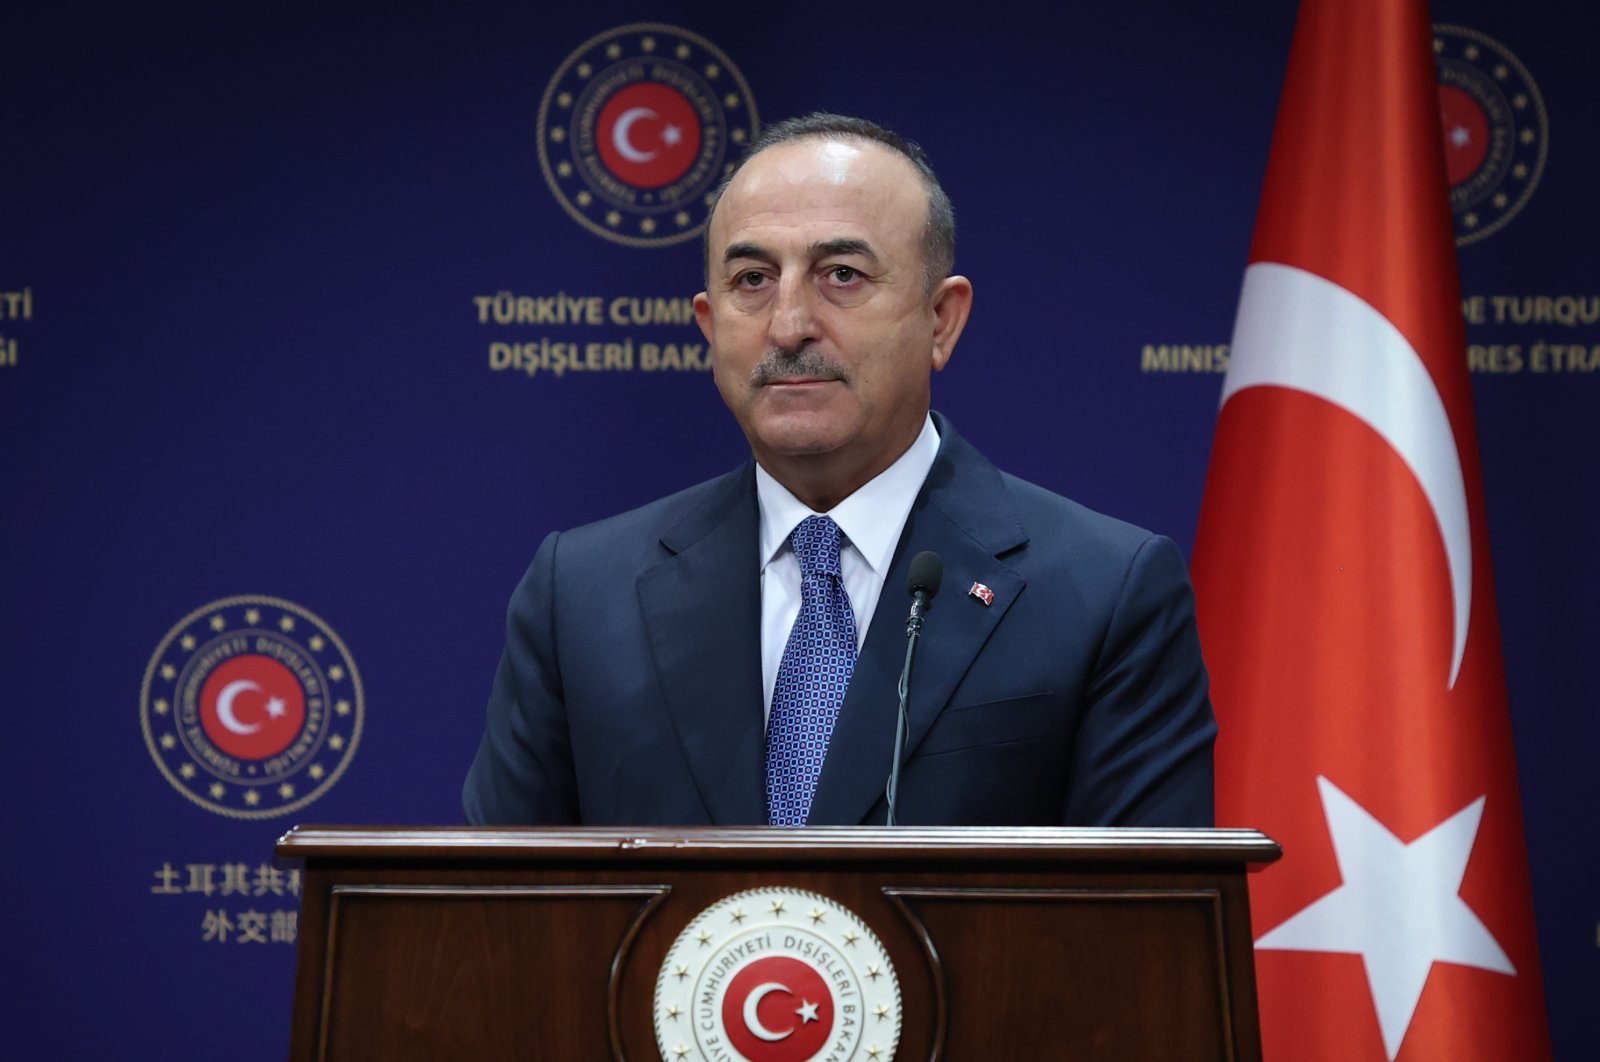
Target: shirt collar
pixel 871 518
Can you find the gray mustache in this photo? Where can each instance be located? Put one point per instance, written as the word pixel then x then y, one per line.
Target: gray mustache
pixel 788 364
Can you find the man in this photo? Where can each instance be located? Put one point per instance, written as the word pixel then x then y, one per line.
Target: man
pixel 730 654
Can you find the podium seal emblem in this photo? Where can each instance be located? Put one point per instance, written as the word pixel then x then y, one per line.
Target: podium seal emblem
pixel 251 707
pixel 777 975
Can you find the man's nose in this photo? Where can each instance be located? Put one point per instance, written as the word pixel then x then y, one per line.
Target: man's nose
pixel 794 313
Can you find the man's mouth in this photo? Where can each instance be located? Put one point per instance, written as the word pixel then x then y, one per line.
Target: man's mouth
pixel 793 381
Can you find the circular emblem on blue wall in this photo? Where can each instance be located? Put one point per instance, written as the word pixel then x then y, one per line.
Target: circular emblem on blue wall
pixel 251 707
pixel 777 975
pixel 636 129
pixel 1496 132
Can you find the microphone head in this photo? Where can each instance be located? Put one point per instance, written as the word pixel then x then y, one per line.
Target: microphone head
pixel 926 572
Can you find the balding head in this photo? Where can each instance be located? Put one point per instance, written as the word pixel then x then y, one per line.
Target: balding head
pixel 939 228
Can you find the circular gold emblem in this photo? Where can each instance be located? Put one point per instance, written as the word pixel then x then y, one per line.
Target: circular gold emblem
pixel 636 129
pixel 251 707
pixel 777 975
pixel 1496 132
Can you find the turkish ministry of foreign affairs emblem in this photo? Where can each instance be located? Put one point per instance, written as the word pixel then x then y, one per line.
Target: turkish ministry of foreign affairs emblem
pixel 637 128
pixel 251 707
pixel 777 975
pixel 1496 132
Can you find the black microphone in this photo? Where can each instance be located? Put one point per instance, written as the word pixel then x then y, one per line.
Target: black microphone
pixel 927 570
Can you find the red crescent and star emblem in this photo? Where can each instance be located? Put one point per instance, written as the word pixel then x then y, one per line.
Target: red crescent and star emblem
pixel 637 128
pixel 1496 132
pixel 778 1009
pixel 251 707
pixel 777 974
pixel 648 134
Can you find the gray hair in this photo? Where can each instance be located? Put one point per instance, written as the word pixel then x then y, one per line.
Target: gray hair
pixel 938 235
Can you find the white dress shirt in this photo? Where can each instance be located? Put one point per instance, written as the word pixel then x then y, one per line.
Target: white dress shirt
pixel 871 520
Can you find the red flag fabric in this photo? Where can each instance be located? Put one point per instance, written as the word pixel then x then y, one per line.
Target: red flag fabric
pixel 1346 604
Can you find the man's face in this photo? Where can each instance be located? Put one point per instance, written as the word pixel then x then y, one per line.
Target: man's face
pixel 822 332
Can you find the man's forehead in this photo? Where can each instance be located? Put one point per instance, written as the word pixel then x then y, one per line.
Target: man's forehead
pixel 836 189
pixel 808 161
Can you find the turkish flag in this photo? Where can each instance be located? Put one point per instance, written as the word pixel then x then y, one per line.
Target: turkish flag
pixel 1346 602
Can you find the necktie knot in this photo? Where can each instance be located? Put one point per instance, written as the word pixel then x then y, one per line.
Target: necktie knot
pixel 815 542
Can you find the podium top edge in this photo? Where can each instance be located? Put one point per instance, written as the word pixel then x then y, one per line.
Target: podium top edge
pixel 847 843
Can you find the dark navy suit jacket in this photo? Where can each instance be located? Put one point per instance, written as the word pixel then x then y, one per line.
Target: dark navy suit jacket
pixel 630 690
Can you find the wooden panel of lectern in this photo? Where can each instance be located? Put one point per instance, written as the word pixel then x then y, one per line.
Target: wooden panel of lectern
pixel 760 944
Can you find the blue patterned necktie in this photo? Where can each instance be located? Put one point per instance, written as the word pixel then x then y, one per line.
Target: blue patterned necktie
pixel 813 676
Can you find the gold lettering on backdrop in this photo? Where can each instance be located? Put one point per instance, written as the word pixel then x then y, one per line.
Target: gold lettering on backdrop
pixel 1546 354
pixel 14 306
pixel 1495 354
pixel 560 355
pixel 1485 359
pixel 1573 311
pixel 632 311
pixel 558 358
pixel 1183 358
pixel 504 308
pixel 244 902
pixel 1540 356
pixel 1564 358
pixel 1495 358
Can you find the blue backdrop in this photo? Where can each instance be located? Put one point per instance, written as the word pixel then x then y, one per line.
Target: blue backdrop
pixel 261 337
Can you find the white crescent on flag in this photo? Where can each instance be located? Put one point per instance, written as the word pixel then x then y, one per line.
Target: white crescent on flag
pixel 1301 331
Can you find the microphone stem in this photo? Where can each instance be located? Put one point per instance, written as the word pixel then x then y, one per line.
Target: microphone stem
pixel 902 720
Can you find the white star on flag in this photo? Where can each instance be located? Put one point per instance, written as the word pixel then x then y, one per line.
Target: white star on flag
pixel 1399 908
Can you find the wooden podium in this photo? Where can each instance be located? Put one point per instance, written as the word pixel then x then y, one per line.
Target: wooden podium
pixel 1026 944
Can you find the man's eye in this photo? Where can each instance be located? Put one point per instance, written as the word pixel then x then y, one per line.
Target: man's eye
pixel 751 279
pixel 842 274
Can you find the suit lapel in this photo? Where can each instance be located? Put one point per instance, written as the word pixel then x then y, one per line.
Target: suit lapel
pixel 702 611
pixel 965 515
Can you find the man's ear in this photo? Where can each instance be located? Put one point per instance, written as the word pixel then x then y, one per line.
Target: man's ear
pixel 952 303
pixel 702 317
